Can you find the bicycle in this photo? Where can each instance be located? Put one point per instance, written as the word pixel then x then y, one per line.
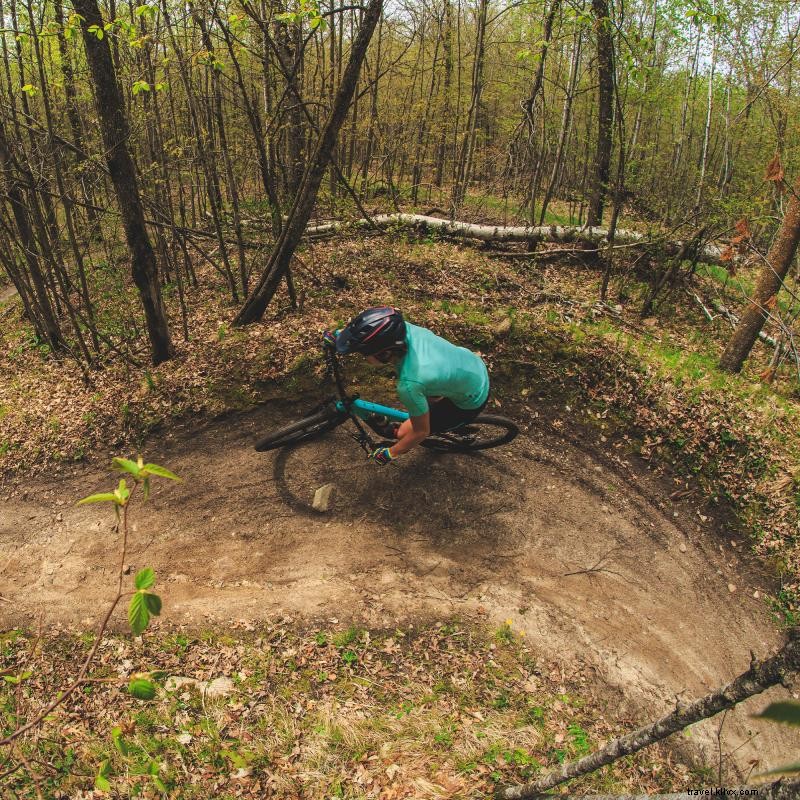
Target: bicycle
pixel 485 431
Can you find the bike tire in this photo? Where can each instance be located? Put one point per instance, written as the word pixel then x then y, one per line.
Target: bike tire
pixel 470 437
pixel 302 430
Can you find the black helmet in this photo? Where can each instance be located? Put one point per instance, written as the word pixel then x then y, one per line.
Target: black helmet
pixel 372 331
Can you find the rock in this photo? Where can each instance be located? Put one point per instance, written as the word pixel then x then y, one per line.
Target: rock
pixel 503 327
pixel 176 682
pixel 731 588
pixel 682 547
pixel 220 687
pixel 59 517
pixel 184 738
pixel 323 497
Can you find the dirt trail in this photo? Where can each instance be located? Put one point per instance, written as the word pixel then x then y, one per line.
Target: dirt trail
pixel 569 548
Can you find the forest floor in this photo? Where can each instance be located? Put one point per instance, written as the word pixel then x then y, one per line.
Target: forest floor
pixel 576 550
pixel 635 578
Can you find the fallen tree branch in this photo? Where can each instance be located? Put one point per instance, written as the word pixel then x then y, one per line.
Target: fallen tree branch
pixel 709 254
pixel 761 676
pixel 778 790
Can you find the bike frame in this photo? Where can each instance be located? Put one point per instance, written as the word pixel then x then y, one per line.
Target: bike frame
pixel 363 408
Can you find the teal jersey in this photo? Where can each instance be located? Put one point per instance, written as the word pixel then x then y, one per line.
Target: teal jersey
pixel 433 367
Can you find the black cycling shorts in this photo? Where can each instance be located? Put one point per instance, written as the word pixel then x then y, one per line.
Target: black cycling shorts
pixel 446 415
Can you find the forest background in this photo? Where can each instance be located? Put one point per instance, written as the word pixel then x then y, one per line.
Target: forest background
pixel 167 172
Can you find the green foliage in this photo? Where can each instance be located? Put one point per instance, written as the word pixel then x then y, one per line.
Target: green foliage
pixel 786 711
pixel 101 781
pixel 142 689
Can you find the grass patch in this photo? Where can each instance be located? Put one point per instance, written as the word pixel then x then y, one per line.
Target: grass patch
pixel 309 718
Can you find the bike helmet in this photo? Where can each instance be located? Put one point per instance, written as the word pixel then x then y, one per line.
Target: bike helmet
pixel 372 331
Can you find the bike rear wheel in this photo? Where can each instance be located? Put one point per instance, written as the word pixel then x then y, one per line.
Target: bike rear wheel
pixel 485 431
pixel 304 429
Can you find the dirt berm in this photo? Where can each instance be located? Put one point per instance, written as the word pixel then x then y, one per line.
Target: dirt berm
pixel 583 552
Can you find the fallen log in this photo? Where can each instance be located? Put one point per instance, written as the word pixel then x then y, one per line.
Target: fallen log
pixel 758 678
pixel 561 234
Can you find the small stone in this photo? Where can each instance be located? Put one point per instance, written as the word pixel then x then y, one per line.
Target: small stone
pixel 184 738
pixel 503 327
pixel 220 687
pixel 756 594
pixel 175 682
pixel 323 498
pixel 731 588
pixel 682 547
pixel 605 509
pixel 126 570
pixel 59 517
pixel 651 322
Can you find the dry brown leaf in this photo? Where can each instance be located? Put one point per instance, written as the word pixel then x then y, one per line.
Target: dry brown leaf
pixel 774 172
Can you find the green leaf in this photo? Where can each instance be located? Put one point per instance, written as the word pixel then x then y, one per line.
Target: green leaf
pixel 122 493
pixel 785 768
pixel 119 742
pixel 153 603
pixel 783 711
pixel 138 614
pixel 127 465
pixel 142 689
pixel 104 497
pixel 101 779
pixel 144 578
pixel 162 472
pixel 15 679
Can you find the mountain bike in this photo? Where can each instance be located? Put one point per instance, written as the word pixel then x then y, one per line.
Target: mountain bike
pixel 485 431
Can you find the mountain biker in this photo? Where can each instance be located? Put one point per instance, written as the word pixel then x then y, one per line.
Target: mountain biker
pixel 441 385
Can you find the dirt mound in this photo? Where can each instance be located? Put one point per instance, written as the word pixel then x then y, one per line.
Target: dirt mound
pixel 567 545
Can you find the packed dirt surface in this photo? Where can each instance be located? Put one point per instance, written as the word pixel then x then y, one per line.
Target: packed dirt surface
pixel 584 553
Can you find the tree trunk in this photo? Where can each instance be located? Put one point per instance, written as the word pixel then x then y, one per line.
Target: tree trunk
pixel 760 677
pixel 779 260
pixel 464 167
pixel 306 196
pixel 45 322
pixel 605 112
pixel 115 132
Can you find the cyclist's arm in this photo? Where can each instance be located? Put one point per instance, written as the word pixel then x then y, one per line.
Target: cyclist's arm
pixel 420 429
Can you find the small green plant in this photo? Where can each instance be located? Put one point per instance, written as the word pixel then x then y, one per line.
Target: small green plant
pixel 347 637
pixel 579 738
pixel 142 606
pixel 504 633
pixel 535 715
pixel 788 713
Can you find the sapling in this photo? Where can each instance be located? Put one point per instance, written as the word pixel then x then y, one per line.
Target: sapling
pixel 142 606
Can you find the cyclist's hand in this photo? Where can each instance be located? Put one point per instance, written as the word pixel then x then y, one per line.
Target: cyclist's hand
pixel 381 455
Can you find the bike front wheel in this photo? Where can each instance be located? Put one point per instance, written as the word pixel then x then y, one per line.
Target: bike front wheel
pixel 304 429
pixel 485 431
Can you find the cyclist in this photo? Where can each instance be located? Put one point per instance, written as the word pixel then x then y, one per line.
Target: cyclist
pixel 441 385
